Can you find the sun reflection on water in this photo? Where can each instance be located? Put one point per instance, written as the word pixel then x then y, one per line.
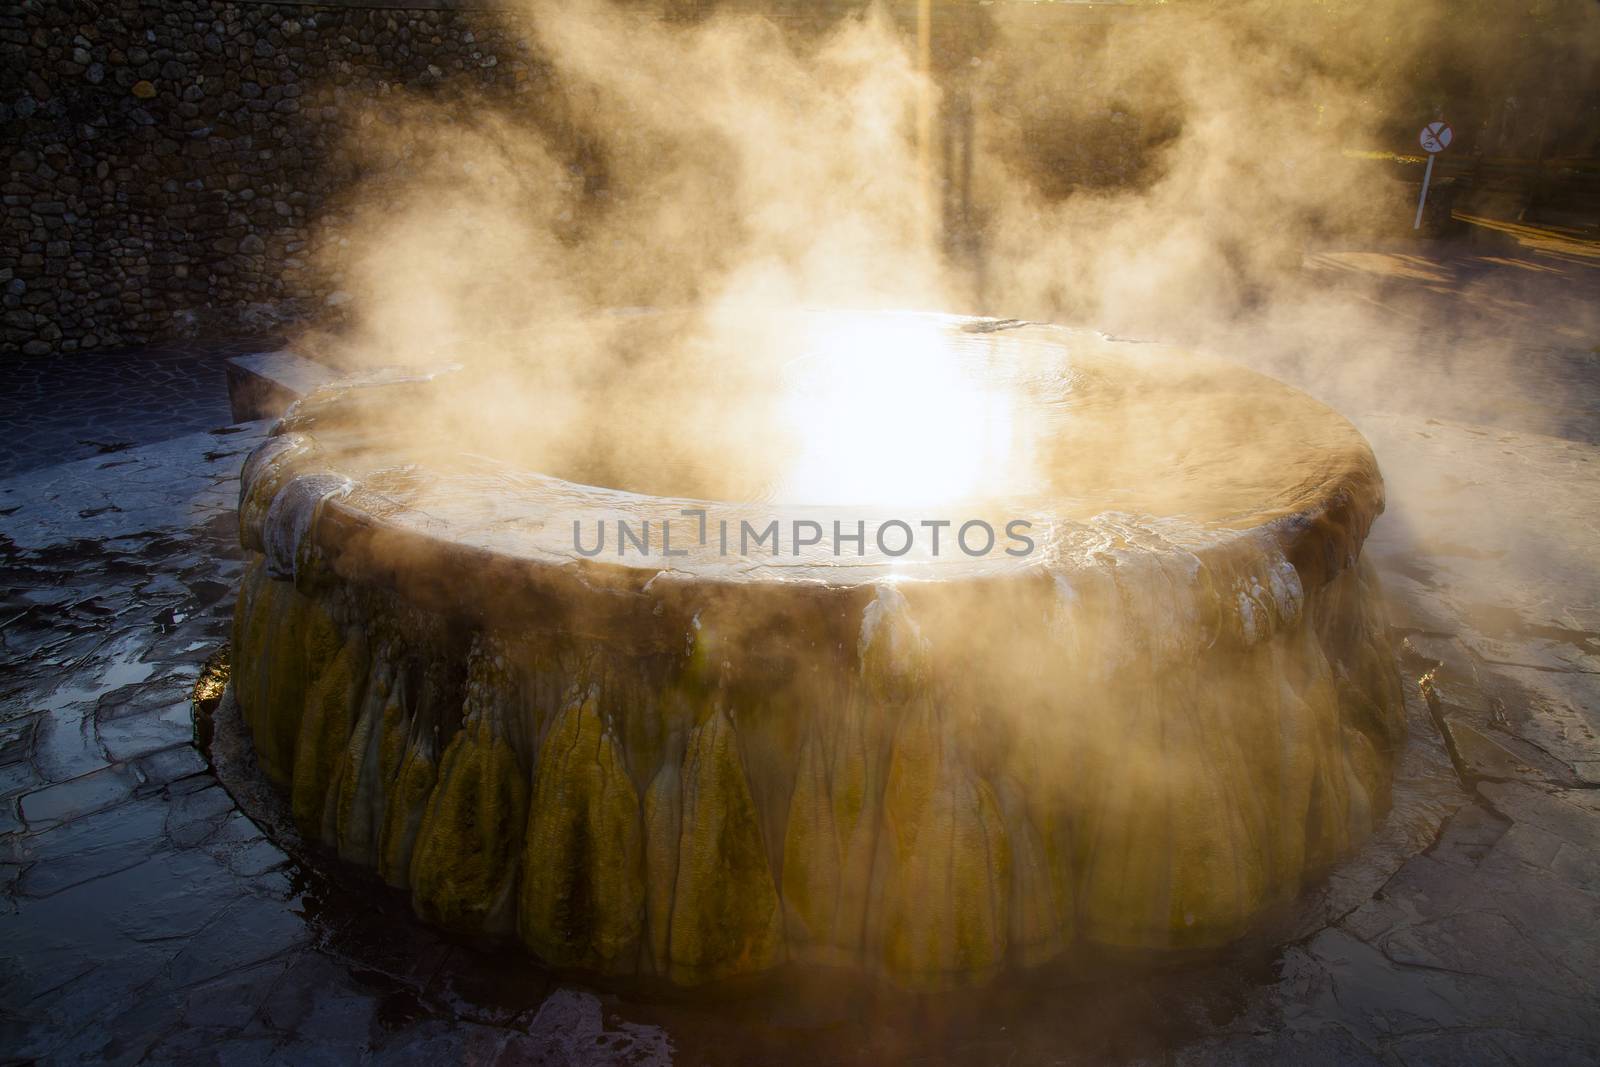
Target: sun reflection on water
pixel 888 411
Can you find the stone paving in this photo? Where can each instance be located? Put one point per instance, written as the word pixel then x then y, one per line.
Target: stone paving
pixel 146 917
pixel 57 408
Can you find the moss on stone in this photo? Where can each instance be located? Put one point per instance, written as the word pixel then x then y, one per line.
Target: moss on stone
pixel 582 897
pixel 465 861
pixel 947 885
pixel 329 717
pixel 1041 908
pixel 409 753
pixel 271 687
pixel 1165 806
pixel 831 834
pixel 811 862
pixel 406 803
pixel 358 804
pixel 663 825
pixel 243 638
pixel 1220 788
pixel 725 916
pixel 1215 868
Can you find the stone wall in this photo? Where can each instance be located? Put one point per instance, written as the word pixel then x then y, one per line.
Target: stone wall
pixel 169 163
pixel 177 167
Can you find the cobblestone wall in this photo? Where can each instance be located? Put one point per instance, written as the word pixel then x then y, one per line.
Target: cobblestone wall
pixel 175 167
pixel 166 158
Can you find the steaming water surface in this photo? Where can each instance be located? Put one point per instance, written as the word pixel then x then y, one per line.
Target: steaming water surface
pixel 834 417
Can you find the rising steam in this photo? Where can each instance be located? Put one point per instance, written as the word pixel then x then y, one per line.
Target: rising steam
pixel 1154 175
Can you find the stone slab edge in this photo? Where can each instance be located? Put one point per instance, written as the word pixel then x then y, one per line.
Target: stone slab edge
pixel 262 385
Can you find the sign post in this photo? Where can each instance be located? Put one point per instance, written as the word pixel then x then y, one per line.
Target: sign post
pixel 1436 137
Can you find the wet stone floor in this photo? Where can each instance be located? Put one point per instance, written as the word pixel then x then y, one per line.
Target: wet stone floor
pixel 146 917
pixel 57 408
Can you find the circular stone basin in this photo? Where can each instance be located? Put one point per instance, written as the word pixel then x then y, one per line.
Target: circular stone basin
pixel 1163 717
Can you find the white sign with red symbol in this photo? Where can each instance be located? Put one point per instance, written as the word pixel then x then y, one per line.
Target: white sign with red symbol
pixel 1436 137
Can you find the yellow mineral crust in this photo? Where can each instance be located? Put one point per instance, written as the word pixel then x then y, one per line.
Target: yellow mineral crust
pixel 466 857
pixel 1162 724
pixel 725 917
pixel 645 816
pixel 582 897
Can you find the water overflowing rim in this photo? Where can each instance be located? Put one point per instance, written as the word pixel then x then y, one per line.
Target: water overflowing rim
pixel 441 564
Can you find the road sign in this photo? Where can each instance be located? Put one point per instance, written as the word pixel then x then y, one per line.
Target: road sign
pixel 1435 138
